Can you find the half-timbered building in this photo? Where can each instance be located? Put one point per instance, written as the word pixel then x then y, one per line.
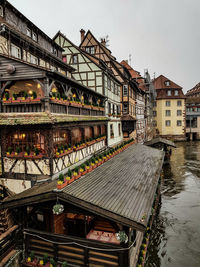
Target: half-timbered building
pixel 48 121
pixel 128 88
pixel 141 121
pixel 94 73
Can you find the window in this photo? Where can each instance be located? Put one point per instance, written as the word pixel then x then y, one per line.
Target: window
pixel 169 93
pixel 111 131
pixel 74 59
pixel 28 32
pixel 109 108
pixel 34 37
pixel 118 110
pixel 167 123
pixel 33 60
pixel 119 129
pixel 154 113
pixel 108 83
pixel 1 11
pixel 179 103
pixel 167 112
pixel 167 103
pixel 125 90
pixel 179 112
pixel 90 50
pixel 113 110
pixel 112 86
pixel 15 51
pixel 155 123
pixel 176 92
pixel 167 83
pixel 154 104
pixel 179 123
pixel 125 108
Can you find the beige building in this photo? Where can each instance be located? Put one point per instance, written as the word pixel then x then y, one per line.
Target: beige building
pixel 169 109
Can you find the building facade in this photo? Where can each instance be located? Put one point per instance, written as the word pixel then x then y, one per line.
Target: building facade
pixel 92 72
pixel 193 113
pixel 169 109
pixel 49 122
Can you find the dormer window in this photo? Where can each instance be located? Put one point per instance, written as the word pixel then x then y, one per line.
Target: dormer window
pixel 169 93
pixel 1 11
pixel 167 83
pixel 28 32
pixel 176 92
pixel 90 50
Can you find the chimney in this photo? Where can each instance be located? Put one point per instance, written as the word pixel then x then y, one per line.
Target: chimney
pixel 82 34
pixel 103 41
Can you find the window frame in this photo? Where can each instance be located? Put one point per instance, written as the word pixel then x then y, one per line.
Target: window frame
pixel 166 123
pixel 169 102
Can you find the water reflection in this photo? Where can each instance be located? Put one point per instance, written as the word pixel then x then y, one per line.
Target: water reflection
pixel 176 233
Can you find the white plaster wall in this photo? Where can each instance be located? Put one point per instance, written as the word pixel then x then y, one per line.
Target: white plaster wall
pixel 16 186
pixel 117 138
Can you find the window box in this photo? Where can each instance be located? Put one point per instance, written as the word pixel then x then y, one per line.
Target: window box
pixel 7 101
pixel 35 99
pixel 80 147
pixel 95 108
pixel 18 100
pixel 101 108
pixel 91 142
pixel 25 100
pixel 86 106
pixel 75 104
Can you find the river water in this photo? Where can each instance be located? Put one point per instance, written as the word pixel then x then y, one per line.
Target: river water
pixel 176 231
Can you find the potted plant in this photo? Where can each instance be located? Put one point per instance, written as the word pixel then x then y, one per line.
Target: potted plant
pixel 32 260
pixel 17 152
pixel 88 166
pixel 6 98
pixel 15 99
pixel 53 263
pixel 10 150
pixel 25 97
pixel 27 152
pixel 83 170
pixel 64 264
pixel 44 261
pixel 69 178
pixel 34 97
pixel 76 173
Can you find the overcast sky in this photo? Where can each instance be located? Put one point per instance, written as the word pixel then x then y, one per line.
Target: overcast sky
pixel 161 35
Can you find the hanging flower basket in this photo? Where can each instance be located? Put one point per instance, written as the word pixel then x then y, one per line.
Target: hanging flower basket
pixel 58 209
pixel 122 237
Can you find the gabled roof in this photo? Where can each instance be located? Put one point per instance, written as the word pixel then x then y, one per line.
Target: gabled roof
pixel 159 83
pixel 105 49
pixel 98 62
pixel 122 189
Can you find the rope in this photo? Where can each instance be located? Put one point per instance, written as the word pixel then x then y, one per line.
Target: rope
pixel 75 243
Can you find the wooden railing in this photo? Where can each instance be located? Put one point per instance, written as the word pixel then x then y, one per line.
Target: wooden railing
pixel 23 107
pixel 75 251
pixel 54 108
pixel 7 241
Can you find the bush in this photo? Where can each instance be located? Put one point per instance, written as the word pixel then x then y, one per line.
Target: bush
pixel 34 95
pixel 69 173
pixel 10 149
pixel 18 150
pixel 36 150
pixel 7 96
pixel 28 150
pixel 45 259
pixel 61 177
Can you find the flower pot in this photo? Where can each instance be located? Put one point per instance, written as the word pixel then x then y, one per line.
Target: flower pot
pixel 32 263
pixel 83 173
pixel 35 100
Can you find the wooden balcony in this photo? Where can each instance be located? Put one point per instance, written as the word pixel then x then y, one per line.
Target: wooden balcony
pixel 75 251
pixel 60 107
